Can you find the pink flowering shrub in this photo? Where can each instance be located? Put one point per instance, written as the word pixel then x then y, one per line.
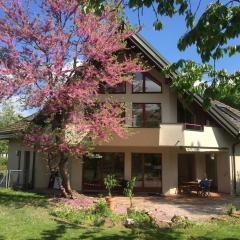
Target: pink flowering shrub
pixel 54 57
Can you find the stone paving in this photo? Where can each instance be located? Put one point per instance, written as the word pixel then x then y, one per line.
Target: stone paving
pixel 164 208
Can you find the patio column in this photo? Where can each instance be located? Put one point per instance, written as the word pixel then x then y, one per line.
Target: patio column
pixel 169 171
pixel 223 172
pixel 127 165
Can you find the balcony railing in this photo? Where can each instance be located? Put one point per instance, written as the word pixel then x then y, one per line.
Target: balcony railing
pixel 194 127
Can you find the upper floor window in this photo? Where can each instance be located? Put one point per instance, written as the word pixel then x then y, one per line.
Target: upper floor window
pixel 118 88
pixel 145 83
pixel 146 114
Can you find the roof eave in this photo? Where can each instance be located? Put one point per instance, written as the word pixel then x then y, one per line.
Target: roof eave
pixel 150 52
pixel 220 119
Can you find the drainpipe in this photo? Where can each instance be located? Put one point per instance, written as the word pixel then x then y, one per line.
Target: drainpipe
pixel 234 164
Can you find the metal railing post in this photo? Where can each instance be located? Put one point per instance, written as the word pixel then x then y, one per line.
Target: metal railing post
pixel 6 179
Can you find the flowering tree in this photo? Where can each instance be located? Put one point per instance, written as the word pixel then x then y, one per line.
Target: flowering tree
pixel 54 56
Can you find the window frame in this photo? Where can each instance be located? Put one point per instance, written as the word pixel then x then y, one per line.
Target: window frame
pixel 143 114
pixel 106 91
pixel 142 167
pixel 144 74
pixel 100 169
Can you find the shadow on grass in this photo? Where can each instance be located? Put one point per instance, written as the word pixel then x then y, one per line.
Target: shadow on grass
pixel 57 232
pixel 19 199
pixel 101 233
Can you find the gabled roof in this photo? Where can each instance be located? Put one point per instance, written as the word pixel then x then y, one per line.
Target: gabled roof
pixel 150 52
pixel 226 116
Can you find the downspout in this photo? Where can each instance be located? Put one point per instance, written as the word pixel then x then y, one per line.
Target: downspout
pixel 234 164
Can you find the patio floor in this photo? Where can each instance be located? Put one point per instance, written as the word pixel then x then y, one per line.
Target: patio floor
pixel 164 208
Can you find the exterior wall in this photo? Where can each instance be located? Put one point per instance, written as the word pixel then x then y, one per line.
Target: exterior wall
pixel 170 172
pixel 42 173
pixel 237 167
pixel 166 98
pixel 209 137
pixel 13 160
pixel 174 135
pixel 169 166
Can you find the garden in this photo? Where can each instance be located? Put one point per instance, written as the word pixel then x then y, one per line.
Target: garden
pixel 28 215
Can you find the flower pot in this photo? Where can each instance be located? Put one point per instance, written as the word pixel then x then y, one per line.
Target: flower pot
pixel 109 201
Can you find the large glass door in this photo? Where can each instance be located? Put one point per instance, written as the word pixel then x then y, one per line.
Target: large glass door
pixel 95 169
pixel 147 168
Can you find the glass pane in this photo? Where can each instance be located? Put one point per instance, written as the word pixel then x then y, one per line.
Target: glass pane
pixel 113 163
pixel 91 171
pixel 137 168
pixel 137 115
pixel 152 170
pixel 138 83
pixel 152 115
pixel 152 86
pixel 119 166
pixel 107 163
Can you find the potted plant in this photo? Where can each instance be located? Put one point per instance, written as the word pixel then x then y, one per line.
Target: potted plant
pixel 110 182
pixel 128 191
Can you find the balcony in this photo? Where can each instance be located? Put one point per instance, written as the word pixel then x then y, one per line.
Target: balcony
pixel 185 135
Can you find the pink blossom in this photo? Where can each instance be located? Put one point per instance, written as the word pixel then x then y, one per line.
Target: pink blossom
pixel 39 42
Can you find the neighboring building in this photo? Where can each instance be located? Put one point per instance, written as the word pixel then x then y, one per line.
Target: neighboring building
pixel 169 142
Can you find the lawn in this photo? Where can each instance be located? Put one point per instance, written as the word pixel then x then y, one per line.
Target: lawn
pixel 27 216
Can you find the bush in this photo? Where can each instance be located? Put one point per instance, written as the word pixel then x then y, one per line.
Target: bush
pixel 71 215
pixel 181 222
pixel 141 218
pixel 230 209
pixel 95 216
pixel 101 208
pixel 128 190
pixel 110 182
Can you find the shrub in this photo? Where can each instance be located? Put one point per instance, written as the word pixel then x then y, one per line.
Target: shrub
pixel 181 221
pixel 71 215
pixel 230 209
pixel 101 208
pixel 128 191
pixel 110 182
pixel 95 216
pixel 141 218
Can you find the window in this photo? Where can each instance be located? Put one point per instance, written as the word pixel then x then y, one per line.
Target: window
pixel 147 168
pixel 119 88
pixel 95 169
pixel 144 83
pixel 146 114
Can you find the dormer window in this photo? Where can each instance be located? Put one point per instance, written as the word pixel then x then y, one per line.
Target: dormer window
pixel 145 83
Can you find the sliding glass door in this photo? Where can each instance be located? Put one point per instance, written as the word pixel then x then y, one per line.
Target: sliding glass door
pixel 147 168
pixel 95 169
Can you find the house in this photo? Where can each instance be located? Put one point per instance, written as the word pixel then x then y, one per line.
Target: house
pixel 169 142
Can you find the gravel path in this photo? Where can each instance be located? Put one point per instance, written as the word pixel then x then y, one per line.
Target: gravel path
pixel 164 208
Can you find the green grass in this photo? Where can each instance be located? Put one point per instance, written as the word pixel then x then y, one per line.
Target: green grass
pixel 27 216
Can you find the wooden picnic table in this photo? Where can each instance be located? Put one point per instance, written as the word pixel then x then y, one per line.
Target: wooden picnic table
pixel 189 186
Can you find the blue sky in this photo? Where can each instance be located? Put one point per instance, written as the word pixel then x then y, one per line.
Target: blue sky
pixel 165 41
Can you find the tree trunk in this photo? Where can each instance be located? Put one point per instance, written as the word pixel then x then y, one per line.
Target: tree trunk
pixel 66 186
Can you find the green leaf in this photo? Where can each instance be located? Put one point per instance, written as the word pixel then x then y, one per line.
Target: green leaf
pixel 158 25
